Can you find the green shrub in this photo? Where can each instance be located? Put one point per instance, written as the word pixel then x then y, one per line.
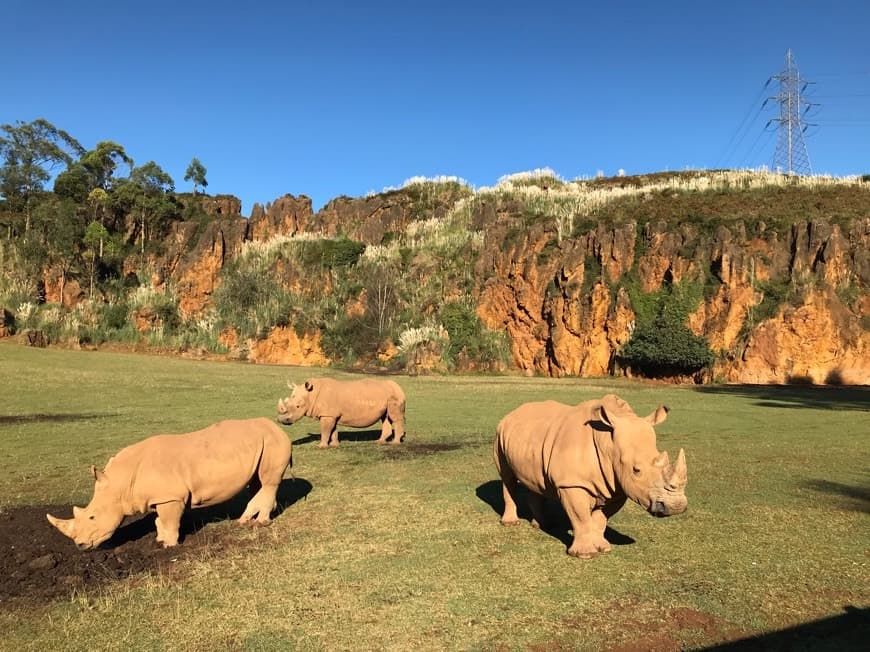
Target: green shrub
pixel 661 344
pixel 470 337
pixel 666 348
pixel 350 338
pixel 340 252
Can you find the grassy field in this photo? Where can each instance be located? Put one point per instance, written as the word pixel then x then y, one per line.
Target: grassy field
pixel 398 549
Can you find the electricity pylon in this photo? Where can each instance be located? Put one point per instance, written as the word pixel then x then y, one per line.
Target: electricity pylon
pixel 791 154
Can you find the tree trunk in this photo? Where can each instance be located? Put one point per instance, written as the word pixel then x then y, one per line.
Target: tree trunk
pixel 62 284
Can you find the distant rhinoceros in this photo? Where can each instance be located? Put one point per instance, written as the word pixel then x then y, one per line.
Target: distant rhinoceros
pixel 356 403
pixel 590 457
pixel 164 473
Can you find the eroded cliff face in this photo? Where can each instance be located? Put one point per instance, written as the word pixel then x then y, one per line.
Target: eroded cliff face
pixel 561 297
pixel 566 310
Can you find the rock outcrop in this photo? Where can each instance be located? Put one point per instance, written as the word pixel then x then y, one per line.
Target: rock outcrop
pixel 779 304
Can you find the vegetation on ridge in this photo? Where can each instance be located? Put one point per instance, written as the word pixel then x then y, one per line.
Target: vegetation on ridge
pixel 106 221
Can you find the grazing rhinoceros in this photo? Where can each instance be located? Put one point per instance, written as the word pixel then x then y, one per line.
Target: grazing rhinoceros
pixel 355 403
pixel 164 473
pixel 590 457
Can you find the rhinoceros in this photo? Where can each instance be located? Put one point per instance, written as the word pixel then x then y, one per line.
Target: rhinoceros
pixel 355 403
pixel 165 473
pixel 590 457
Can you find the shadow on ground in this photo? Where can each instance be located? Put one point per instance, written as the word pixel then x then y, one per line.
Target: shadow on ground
pixel 343 435
pixel 843 633
pixel 193 520
pixel 854 498
pixel 797 396
pixel 558 526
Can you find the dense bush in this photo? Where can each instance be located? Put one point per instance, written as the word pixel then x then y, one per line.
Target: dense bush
pixel 661 344
pixel 340 252
pixel 469 337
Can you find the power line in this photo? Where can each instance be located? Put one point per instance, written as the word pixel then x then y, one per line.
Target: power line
pixel 726 155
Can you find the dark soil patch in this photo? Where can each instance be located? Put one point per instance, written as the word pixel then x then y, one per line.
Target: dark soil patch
pixel 413 449
pixel 38 563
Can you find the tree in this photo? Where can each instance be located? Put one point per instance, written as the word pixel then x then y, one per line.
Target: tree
pixel 196 174
pixel 29 152
pixel 61 236
pixel 102 162
pixel 145 194
pixel 98 199
pixel 74 183
pixel 95 235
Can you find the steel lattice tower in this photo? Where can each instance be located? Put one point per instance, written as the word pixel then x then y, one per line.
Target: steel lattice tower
pixel 791 154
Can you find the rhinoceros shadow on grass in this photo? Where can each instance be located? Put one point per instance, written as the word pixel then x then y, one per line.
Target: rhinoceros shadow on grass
pixel 289 492
pixel 558 525
pixel 346 435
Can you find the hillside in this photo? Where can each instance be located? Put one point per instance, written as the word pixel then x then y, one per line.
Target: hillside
pixel 704 275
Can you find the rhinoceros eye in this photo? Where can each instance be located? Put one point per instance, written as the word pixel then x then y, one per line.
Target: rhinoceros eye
pixel 91 518
pixel 635 470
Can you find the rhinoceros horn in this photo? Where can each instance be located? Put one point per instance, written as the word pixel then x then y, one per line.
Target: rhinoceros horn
pixel 679 474
pixel 662 461
pixel 292 386
pixel 281 406
pixel 65 525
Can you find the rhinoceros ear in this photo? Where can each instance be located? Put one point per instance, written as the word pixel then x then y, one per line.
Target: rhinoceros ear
pixel 658 416
pixel 308 385
pixel 601 415
pixel 99 476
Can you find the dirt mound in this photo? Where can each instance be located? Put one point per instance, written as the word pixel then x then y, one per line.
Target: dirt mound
pixel 38 563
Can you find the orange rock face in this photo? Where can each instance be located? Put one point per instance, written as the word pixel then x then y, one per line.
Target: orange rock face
pixel 284 346
pixel 817 342
pixel 564 298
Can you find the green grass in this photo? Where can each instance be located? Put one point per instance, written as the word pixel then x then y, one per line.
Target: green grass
pixel 397 549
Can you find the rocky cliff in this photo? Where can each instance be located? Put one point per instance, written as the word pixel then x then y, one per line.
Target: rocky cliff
pixel 783 277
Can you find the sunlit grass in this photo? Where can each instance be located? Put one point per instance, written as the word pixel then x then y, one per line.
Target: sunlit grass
pixel 399 548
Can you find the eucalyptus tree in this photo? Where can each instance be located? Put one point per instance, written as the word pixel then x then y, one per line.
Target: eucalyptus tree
pixel 146 194
pixel 196 173
pixel 102 162
pixel 30 151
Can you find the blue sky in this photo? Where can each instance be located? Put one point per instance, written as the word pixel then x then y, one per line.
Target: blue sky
pixel 340 98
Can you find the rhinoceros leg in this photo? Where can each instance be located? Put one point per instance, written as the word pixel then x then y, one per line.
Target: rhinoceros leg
pixel 386 431
pixel 536 504
pixel 168 522
pixel 600 516
pixel 396 415
pixel 328 432
pixel 588 528
pixel 264 484
pixel 509 489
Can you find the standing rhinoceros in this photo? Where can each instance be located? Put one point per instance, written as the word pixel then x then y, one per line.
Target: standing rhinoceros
pixel 356 403
pixel 164 473
pixel 590 457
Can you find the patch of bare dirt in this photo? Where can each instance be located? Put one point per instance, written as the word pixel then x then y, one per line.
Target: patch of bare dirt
pixel 38 563
pixel 667 631
pixel 412 449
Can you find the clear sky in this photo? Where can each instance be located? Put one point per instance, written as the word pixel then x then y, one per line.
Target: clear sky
pixel 336 98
